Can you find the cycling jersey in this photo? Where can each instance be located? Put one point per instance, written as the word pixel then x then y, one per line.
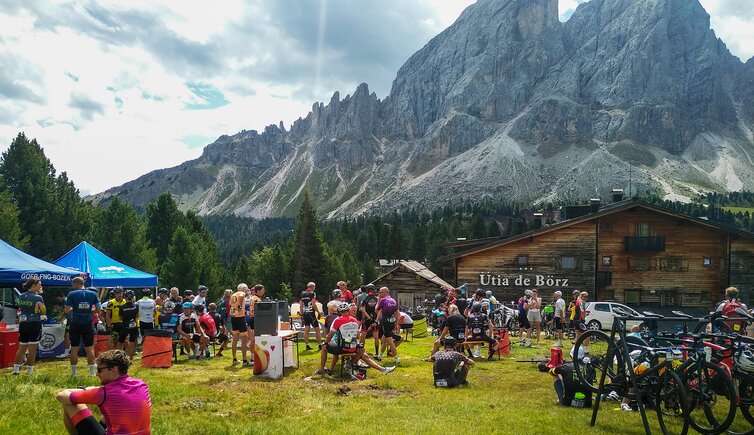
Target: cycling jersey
pixel 128 313
pixel 346 335
pixel 146 308
pixel 82 301
pixel 208 324
pixel 31 307
pixel 125 405
pixel 388 306
pixel 114 307
pixel 307 301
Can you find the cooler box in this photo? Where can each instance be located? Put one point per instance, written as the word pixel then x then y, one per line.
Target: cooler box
pixel 8 347
pixel 157 349
pixel 101 344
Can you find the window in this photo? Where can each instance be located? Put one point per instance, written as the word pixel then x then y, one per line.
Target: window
pixel 673 264
pixel 602 307
pixel 568 263
pixel 641 263
pixel 633 297
pixel 706 296
pixel 606 227
pixel 607 260
pixel 707 261
pixel 642 230
pixel 608 294
pixel 522 260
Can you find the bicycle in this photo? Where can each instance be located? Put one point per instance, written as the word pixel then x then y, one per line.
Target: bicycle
pixel 711 395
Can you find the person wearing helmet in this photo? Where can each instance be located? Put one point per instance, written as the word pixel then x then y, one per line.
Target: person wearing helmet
pixel 523 319
pixel 187 331
pixel 479 328
pixel 147 308
pixel 112 317
pixel 368 310
pixel 560 316
pixel 188 295
pixel 343 340
pixel 201 298
pixel 129 326
pixel 336 295
pixel 450 367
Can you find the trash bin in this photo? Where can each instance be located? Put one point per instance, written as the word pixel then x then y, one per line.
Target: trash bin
pixel 157 349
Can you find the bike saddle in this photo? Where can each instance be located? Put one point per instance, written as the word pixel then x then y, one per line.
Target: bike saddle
pixel 682 314
pixel 651 314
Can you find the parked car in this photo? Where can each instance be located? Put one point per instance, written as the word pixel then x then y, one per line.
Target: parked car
pixel 8 305
pixel 599 315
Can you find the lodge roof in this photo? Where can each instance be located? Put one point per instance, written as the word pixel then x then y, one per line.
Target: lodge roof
pixel 417 268
pixel 604 211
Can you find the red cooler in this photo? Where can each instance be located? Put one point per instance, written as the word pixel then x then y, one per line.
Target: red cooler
pixel 8 348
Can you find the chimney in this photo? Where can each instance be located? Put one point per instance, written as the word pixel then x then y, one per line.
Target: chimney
pixel 537 221
pixel 617 195
pixel 595 204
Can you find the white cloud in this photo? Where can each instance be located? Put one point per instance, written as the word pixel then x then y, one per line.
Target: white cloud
pixel 106 87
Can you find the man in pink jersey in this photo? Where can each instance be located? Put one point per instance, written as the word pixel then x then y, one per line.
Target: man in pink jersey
pixel 123 401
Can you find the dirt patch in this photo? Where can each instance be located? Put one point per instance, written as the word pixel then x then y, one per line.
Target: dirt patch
pixel 342 391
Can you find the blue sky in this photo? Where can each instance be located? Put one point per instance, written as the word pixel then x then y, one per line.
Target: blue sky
pixel 150 82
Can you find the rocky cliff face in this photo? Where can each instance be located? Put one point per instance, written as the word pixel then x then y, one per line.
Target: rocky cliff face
pixel 506 101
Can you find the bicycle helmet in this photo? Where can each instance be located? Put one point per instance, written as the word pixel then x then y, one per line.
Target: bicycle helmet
pixel 187 293
pixel 202 288
pixel 449 341
pixel 745 360
pixel 476 307
pixel 118 289
pixel 488 293
pixel 129 294
pixel 188 306
pixel 162 291
pixel 168 306
pixel 336 293
pixel 527 292
pixel 344 306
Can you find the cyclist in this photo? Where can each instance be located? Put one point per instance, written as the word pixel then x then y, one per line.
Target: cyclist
pixel 560 316
pixel 147 309
pixel 31 313
pixel 80 305
pixel 369 318
pixel 222 333
pixel 187 330
pixel 129 330
pixel 388 323
pixel 308 311
pixel 523 319
pixel 112 318
pixel 729 306
pixel 450 367
pixel 533 315
pixel 479 328
pixel 238 321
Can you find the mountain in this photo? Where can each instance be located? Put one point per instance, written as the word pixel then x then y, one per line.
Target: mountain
pixel 508 101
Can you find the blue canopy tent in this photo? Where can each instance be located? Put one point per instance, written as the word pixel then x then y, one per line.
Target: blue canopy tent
pixel 17 266
pixel 103 271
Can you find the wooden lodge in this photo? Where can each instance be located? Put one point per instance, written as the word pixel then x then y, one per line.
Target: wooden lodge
pixel 630 252
pixel 410 283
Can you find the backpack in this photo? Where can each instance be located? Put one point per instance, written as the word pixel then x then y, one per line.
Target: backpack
pixel 729 310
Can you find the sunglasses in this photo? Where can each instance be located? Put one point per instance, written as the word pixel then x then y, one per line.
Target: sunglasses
pixel 99 369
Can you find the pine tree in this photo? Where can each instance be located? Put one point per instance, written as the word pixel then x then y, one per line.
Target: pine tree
pixel 180 269
pixel 10 227
pixel 163 218
pixel 309 251
pixel 121 233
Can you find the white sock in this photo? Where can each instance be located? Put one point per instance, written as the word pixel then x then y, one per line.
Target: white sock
pixel 74 371
pixel 16 368
pixel 92 369
pixel 30 369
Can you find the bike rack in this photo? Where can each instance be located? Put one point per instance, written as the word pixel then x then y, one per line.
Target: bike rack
pixel 629 366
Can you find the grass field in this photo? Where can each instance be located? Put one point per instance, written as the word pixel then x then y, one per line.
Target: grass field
pixel 213 397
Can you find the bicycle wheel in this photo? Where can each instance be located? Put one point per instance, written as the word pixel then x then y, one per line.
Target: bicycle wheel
pixel 746 396
pixel 711 396
pixel 589 369
pixel 671 404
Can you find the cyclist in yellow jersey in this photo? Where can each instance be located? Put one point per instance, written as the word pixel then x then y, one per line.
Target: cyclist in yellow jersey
pixel 113 319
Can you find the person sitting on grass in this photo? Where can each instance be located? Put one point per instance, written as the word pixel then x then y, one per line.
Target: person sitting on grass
pixel 450 367
pixel 343 339
pixel 567 386
pixel 124 401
